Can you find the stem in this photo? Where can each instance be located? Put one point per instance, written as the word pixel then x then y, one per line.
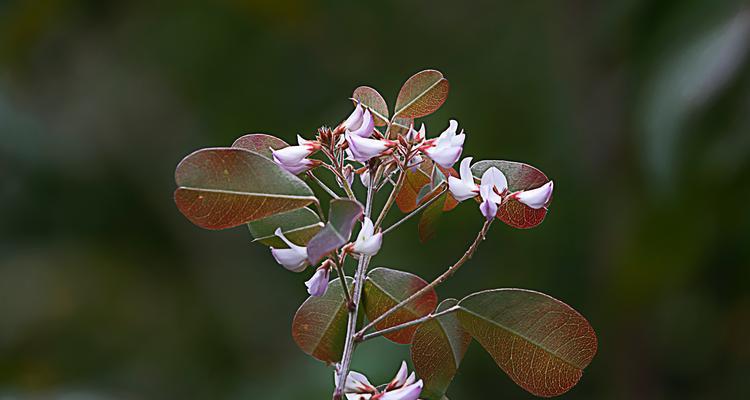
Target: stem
pixel 342 278
pixel 440 279
pixel 391 198
pixel 405 325
pixel 416 211
pixel 322 185
pixel 351 327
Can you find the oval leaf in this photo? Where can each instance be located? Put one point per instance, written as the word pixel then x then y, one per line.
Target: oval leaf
pixel 520 177
pixel 430 218
pixel 299 226
pixel 422 94
pixel 406 198
pixel 384 288
pixel 374 101
pixel 225 187
pixel 319 326
pixel 540 342
pixel 260 143
pixel 341 218
pixel 437 350
pixel 399 126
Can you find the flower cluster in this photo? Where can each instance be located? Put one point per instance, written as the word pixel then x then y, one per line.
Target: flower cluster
pixel 403 386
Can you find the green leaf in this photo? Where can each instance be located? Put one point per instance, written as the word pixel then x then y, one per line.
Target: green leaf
pixel 540 342
pixel 260 143
pixel 374 101
pixel 384 288
pixel 222 188
pixel 341 218
pixel 422 94
pixel 520 177
pixel 437 350
pixel 319 326
pixel 299 226
pixel 430 218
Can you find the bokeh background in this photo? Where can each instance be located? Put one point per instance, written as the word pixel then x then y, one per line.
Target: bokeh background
pixel 639 110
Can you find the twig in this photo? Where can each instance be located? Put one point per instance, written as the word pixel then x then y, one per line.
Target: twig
pixel 405 325
pixel 322 185
pixel 416 211
pixel 391 198
pixel 342 277
pixel 440 279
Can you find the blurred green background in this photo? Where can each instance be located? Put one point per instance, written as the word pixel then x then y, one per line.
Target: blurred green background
pixel 639 110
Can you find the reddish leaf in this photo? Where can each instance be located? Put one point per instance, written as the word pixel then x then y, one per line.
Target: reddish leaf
pixel 540 342
pixel 406 199
pixel 260 143
pixel 225 187
pixel 384 289
pixel 437 350
pixel 374 101
pixel 520 177
pixel 422 94
pixel 399 126
pixel 430 218
pixel 319 326
pixel 341 218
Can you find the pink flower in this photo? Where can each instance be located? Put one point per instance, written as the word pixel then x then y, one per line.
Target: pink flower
pixel 368 242
pixel 402 387
pixel 294 258
pixel 318 284
pixel 415 136
pixel 293 158
pixel 493 185
pixel 363 149
pixel 447 148
pixel 536 198
pixel 354 121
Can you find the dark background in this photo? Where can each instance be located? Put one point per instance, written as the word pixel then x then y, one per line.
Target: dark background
pixel 638 109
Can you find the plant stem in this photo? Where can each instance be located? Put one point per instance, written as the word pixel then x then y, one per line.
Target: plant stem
pixel 391 198
pixel 416 211
pixel 322 185
pixel 440 279
pixel 399 327
pixel 342 278
pixel 351 327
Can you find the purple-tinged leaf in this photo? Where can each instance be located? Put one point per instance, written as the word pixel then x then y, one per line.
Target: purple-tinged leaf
pixel 260 143
pixel 422 94
pixel 437 350
pixel 540 342
pixel 222 188
pixel 520 177
pixel 384 288
pixel 400 126
pixel 342 216
pixel 374 101
pixel 319 326
pixel 299 226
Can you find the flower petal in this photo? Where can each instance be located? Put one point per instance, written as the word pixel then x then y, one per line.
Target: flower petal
pixel 400 378
pixel 465 170
pixel 460 189
pixel 318 284
pixel 291 259
pixel 488 208
pixel 290 155
pixel 363 149
pixel 369 246
pixel 410 392
pixel 536 198
pixel 354 121
pixel 444 155
pixel 367 126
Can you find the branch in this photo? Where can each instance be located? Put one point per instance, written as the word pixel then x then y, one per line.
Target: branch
pixel 417 321
pixel 440 279
pixel 322 185
pixel 391 198
pixel 342 278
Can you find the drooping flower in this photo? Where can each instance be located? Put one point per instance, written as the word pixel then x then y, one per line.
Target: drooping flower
pixel 463 188
pixel 493 185
pixel 318 284
pixel 363 149
pixel 354 121
pixel 294 258
pixel 365 178
pixel 446 149
pixel 357 387
pixel 293 158
pixel 368 242
pixel 366 127
pixel 536 198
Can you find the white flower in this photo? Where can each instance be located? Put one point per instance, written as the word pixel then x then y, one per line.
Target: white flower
pixel 318 284
pixel 294 258
pixel 446 149
pixel 293 158
pixel 355 118
pixel 363 149
pixel 493 182
pixel 366 127
pixel 415 136
pixel 357 387
pixel 464 188
pixel 536 198
pixel 368 243
pixel 365 178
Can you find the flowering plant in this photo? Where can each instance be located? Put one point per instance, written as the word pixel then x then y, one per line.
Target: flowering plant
pixel 541 343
